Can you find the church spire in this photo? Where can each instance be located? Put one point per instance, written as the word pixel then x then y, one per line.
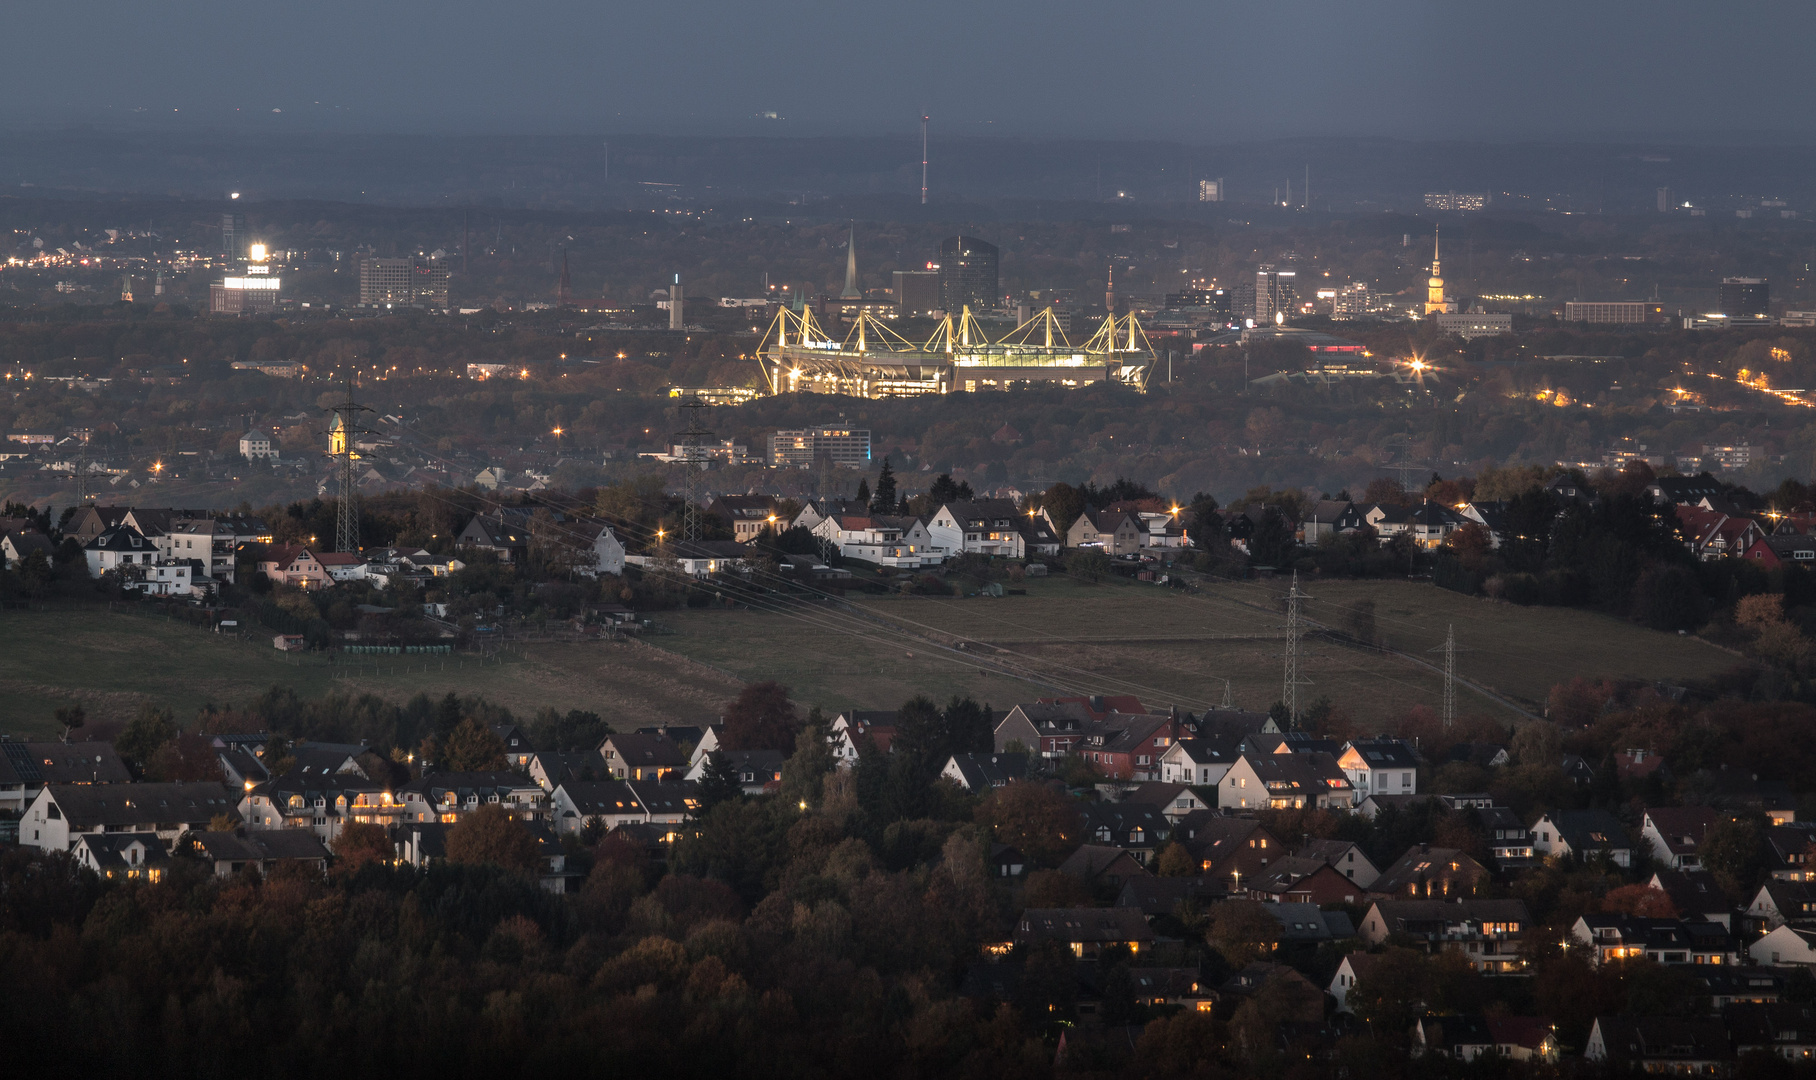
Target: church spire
pixel 1436 229
pixel 852 292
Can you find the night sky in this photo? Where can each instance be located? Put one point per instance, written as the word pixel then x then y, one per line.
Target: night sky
pixel 1201 69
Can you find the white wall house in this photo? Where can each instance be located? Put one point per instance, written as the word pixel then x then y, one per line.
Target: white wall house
pixel 1380 767
pixel 257 447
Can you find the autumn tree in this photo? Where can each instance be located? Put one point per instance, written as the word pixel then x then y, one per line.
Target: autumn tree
pixel 1243 931
pixel 1035 818
pixel 149 730
pixel 188 758
pixel 490 835
pixel 760 718
pixel 360 843
pixel 472 747
pixel 1641 900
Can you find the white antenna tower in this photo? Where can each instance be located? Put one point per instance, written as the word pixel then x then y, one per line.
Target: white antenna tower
pixel 924 119
pixel 1293 630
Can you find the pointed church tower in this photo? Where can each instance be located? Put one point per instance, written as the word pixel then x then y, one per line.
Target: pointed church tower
pixel 1435 301
pixel 852 292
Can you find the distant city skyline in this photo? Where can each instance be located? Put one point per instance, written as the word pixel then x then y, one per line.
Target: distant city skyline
pixel 1168 68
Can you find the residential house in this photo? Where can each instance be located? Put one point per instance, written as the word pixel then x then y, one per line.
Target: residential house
pixel 1328 517
pixel 1297 880
pixel 517 748
pixel 118 547
pixel 1380 767
pixel 1129 747
pixel 981 772
pixel 262 851
pixel 851 731
pixel 505 533
pixel 642 757
pixel 1006 861
pixel 449 796
pixel 1638 764
pixel 882 540
pixel 1097 866
pixel 1490 515
pixel 1675 832
pixel 91 521
pixel 1086 931
pixel 1164 895
pixel 61 813
pixel 1286 782
pixel 1612 936
pixel 550 769
pixel 1672 1046
pixel 1509 840
pixel 16 547
pixel 1696 896
pixel 1139 829
pixel 1778 903
pixel 1782 1029
pixel 1791 851
pixel 1714 534
pixel 979 527
pixel 750 515
pixel 1582 834
pixel 1785 946
pixel 1772 552
pixel 575 803
pixel 323 803
pixel 1174 801
pixel 1346 857
pixel 1426 871
pixel 597 547
pixel 1113 532
pixel 26 767
pixel 1200 760
pixel 699 559
pixel 1726 985
pixel 1686 490
pixel 122 855
pixel 759 771
pixel 1466 1038
pixel 1486 754
pixel 293 564
pixel 1229 851
pixel 1488 933
pixel 1299 1000
pixel 1239 723
pixel 1353 966
pixel 1305 923
pixel 1579 772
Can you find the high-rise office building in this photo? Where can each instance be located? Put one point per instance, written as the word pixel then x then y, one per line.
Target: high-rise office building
pixel 967 273
pixel 403 283
pixel 1664 199
pixel 805 448
pixel 677 302
pixel 1273 293
pixel 234 238
pixel 1210 190
pixel 916 292
pixel 1745 297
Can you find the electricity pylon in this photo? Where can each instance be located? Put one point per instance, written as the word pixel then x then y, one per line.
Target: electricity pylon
pixel 341 432
pixel 1293 629
pixel 693 460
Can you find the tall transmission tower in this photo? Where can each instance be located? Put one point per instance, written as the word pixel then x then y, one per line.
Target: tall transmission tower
pixel 83 495
pixel 1294 628
pixel 341 432
pixel 924 119
pixel 693 460
pixel 1449 649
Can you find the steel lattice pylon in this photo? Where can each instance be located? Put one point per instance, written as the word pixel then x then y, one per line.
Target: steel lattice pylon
pixel 693 461
pixel 1290 697
pixel 341 431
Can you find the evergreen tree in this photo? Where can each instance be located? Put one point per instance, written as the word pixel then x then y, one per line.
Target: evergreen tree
pixel 884 500
pixel 720 783
pixel 863 491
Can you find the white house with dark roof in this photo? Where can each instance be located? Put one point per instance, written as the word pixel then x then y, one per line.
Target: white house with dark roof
pixel 1583 834
pixel 979 527
pixel 61 813
pixel 1380 767
pixel 1201 761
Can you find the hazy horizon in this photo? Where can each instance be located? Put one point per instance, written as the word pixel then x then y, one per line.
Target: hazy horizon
pixel 1190 72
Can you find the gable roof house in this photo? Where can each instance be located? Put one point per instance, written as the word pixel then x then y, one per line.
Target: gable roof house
pixel 16 547
pixel 25 768
pixel 642 757
pixel 1175 801
pixel 1201 760
pixel 1488 932
pixel 979 527
pixel 1345 856
pixel 1114 532
pixel 1286 782
pixel 1582 834
pixel 118 547
pixel 263 850
pixel 1658 1044
pixel 1791 851
pixel 292 564
pixel 60 813
pixel 1778 903
pixel 1675 832
pixel 1426 871
pixel 1229 850
pixel 504 533
pixel 1298 880
pixel 851 729
pixel 449 796
pixel 573 803
pixel 1328 517
pixel 882 539
pixel 1086 931
pixel 1096 865
pixel 1612 936
pixel 1696 895
pixel 1139 829
pixel 1129 747
pixel 322 801
pixel 759 771
pixel 122 855
pixel 750 515
pixel 1380 767
pixel 1785 946
pixel 981 772
pixel 1782 1029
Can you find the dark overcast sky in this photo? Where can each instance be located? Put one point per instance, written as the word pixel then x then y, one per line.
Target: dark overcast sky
pixel 1187 69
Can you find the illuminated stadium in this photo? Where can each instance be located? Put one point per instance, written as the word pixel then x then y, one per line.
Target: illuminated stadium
pixel 874 361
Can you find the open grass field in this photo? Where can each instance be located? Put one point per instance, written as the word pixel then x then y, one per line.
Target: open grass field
pixel 1173 648
pixel 110 663
pixel 1166 647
